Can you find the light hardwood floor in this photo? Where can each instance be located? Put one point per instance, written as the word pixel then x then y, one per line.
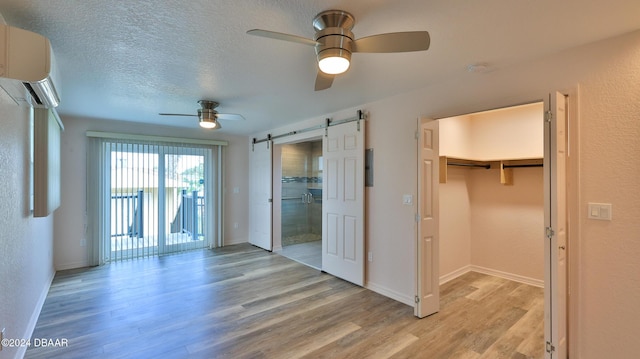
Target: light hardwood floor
pixel 243 302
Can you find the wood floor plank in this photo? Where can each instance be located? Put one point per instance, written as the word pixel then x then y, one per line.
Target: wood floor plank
pixel 242 302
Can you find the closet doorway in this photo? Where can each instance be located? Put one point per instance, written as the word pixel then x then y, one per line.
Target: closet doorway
pixel 298 168
pixel 491 188
pixel 492 199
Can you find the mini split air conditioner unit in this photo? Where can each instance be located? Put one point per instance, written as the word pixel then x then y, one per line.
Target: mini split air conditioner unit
pixel 27 68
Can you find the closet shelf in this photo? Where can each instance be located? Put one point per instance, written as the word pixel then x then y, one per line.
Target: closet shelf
pixel 505 166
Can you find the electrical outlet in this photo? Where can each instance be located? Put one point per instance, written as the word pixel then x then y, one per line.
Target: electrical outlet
pixel 407 199
pixel 370 256
pixel 236 225
pixel 83 242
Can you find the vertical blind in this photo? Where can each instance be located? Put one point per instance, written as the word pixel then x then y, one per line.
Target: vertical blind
pixel 149 196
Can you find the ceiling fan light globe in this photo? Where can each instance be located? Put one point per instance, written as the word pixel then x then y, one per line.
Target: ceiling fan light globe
pixel 209 124
pixel 333 65
pixel 208 118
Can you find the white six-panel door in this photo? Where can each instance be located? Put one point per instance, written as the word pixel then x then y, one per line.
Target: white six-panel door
pixel 343 202
pixel 260 191
pixel 428 286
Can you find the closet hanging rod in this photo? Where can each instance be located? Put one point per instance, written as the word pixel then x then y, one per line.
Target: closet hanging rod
pixel 487 166
pixel 524 165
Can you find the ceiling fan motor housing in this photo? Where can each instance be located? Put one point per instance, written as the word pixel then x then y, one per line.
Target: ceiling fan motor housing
pixel 207 104
pixel 207 112
pixel 333 34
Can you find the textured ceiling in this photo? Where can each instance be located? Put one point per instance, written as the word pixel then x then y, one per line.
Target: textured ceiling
pixel 130 60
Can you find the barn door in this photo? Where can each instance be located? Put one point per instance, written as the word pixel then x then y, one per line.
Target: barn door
pixel 428 289
pixel 555 287
pixel 343 202
pixel 260 190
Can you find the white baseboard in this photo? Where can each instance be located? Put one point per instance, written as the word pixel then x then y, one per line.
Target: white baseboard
pixel 496 273
pixel 31 326
pixel 408 300
pixel 510 276
pixel 72 265
pixel 455 274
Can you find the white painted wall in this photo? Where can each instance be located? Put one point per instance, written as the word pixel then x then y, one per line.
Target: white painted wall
pixel 604 254
pixel 26 243
pixel 70 218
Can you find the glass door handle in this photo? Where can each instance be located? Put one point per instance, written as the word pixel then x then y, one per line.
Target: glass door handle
pixel 304 198
pixel 309 198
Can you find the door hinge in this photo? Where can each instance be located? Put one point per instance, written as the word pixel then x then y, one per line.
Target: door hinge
pixel 550 348
pixel 548 116
pixel 417 135
pixel 417 299
pixel 549 232
pixel 417 217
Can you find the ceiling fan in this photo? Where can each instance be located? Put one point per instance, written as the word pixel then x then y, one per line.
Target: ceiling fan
pixel 334 43
pixel 208 116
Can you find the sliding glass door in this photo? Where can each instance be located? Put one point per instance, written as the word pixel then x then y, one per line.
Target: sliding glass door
pixel 158 197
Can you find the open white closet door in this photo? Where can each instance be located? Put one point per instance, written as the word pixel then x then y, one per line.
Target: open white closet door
pixel 343 202
pixel 427 271
pixel 555 287
pixel 260 190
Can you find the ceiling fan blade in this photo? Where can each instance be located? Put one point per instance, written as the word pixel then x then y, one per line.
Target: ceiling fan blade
pixel 393 42
pixel 230 117
pixel 176 114
pixel 323 81
pixel 282 36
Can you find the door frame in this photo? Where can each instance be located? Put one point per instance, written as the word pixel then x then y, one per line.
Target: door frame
pixel 572 185
pixel 160 227
pixel 276 226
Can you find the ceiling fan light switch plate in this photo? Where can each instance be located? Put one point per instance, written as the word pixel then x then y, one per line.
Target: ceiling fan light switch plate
pixel 600 211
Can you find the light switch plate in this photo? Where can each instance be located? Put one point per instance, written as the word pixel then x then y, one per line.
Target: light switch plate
pixel 600 211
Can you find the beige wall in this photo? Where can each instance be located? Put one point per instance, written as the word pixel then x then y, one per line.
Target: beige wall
pixel 455 224
pixel 508 133
pixel 70 218
pixel 507 223
pixel 26 243
pixel 490 227
pixel 609 252
pixel 484 225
